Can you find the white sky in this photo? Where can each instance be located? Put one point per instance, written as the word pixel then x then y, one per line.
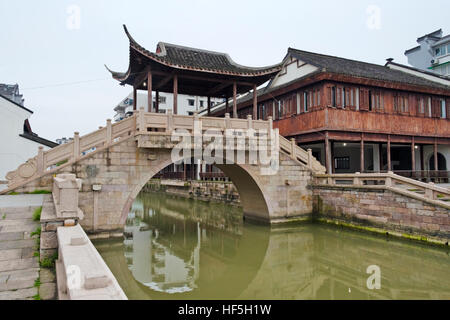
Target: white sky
pixel 45 56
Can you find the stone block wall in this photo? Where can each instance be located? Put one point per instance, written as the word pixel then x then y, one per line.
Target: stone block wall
pixel 383 209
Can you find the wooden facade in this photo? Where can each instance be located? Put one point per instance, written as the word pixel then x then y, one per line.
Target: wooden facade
pixel 326 108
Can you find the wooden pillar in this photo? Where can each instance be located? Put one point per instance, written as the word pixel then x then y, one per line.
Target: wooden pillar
pixel 157 102
pixel 226 105
pixel 361 154
pixel 175 94
pixel 149 92
pixel 327 154
pixel 184 171
pixel 209 106
pixel 255 103
pixel 389 166
pixel 235 114
pixel 413 155
pixel 435 155
pixel 380 152
pixel 422 164
pixel 134 98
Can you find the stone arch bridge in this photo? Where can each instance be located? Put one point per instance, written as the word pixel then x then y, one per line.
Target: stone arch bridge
pixel 117 160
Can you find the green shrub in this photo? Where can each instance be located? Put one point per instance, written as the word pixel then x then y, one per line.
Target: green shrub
pixel 40 192
pixel 37 214
pixel 37 297
pixel 37 232
pixel 50 261
pixel 37 282
pixel 13 193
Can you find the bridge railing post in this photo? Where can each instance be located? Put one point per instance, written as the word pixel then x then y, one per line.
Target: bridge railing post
pixel 249 122
pixel 169 121
pixel 310 158
pixel 356 180
pixel 430 193
pixel 141 120
pixel 108 131
pixel 76 145
pixel 40 160
pixel 227 121
pixel 293 145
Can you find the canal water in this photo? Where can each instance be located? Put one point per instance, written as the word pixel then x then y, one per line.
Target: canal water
pixel 177 248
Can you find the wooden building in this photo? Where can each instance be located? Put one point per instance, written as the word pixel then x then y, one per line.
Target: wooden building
pixel 358 116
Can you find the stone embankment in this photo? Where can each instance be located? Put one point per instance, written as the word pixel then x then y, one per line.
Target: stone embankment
pixel 220 191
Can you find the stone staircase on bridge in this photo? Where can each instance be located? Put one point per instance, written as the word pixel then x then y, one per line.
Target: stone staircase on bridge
pixel 141 124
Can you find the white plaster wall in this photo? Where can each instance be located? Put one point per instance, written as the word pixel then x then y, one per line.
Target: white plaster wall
pixel 428 152
pixel 291 72
pixel 14 150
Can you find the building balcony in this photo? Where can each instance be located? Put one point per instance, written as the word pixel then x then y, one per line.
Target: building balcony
pixel 332 119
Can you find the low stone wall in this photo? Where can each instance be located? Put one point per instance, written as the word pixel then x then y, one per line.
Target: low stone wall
pixel 81 272
pixel 382 211
pixel 220 191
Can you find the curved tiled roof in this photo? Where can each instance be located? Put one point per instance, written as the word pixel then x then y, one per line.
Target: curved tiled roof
pixel 362 69
pixel 187 58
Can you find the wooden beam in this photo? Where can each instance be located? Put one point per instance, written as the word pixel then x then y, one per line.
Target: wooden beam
pixel 219 87
pixel 175 94
pixel 209 79
pixel 255 103
pixel 164 81
pixel 413 155
pixel 149 92
pixel 235 114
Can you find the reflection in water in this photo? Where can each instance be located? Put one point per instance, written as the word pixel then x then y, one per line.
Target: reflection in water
pixel 177 248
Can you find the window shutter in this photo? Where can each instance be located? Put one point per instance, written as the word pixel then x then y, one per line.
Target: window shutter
pixel 364 99
pixel 447 105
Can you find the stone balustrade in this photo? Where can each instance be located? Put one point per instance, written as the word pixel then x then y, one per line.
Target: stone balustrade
pixel 81 272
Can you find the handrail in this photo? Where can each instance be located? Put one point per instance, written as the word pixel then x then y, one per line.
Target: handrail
pixel 141 123
pixel 390 181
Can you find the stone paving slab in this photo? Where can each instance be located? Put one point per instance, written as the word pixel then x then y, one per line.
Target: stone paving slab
pixel 19 269
pixel 21 200
pixel 18 244
pixel 10 254
pixel 46 276
pixel 11 236
pixel 19 264
pixel 47 291
pixel 17 228
pixel 18 294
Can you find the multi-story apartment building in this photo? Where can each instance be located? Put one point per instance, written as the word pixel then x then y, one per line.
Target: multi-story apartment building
pixel 187 104
pixel 358 116
pixel 432 53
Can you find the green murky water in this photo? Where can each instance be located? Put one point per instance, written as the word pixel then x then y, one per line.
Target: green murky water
pixel 177 248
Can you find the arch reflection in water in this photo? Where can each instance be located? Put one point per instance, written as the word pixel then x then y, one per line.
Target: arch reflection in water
pixel 184 249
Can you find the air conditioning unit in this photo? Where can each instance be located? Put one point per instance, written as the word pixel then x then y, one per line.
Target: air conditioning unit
pixel 435 61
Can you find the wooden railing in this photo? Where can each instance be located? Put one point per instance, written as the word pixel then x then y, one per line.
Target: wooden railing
pixel 141 123
pixel 389 181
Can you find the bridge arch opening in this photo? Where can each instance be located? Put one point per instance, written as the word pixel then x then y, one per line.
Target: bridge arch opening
pixel 253 200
